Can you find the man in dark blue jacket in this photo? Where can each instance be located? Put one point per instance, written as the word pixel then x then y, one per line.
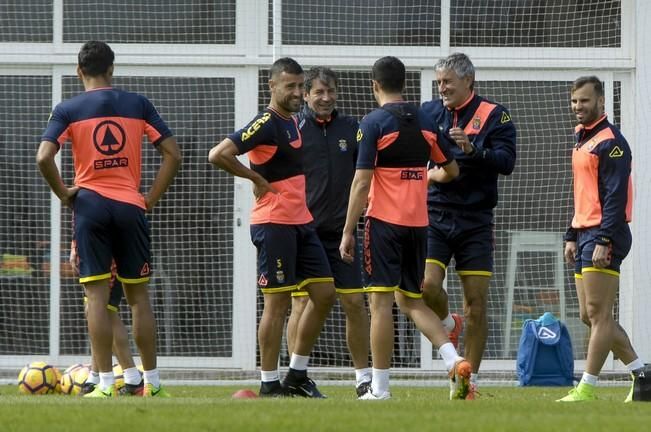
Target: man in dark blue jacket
pixel 461 211
pixel 329 158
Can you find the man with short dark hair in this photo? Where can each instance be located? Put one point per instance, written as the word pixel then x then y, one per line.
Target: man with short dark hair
pixel 599 237
pixel 396 143
pixel 329 156
pixel 106 127
pixel 290 255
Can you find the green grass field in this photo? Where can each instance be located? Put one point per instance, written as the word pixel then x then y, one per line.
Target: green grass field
pixel 411 409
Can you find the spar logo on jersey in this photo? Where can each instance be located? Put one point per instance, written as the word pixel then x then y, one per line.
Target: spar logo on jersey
pixel 109 139
pixel 255 126
pixel 411 175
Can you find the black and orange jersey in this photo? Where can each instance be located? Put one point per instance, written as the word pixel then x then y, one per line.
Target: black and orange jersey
pixel 397 142
pixel 274 147
pixel 603 189
pixel 491 131
pixel 106 128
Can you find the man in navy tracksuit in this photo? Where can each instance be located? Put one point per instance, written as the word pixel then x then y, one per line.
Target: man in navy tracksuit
pixel 329 158
pixel 461 211
pixel 599 237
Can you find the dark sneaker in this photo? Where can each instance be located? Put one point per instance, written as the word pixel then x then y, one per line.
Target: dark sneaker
pixel 302 387
pixel 363 388
pixel 640 385
pixel 86 388
pixel 132 389
pixel 272 389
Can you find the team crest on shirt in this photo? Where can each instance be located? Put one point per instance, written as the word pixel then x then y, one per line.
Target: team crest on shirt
pixel 360 135
pixel 476 123
pixel 343 145
pixel 616 152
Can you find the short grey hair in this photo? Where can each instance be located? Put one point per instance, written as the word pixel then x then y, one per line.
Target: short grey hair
pixel 459 63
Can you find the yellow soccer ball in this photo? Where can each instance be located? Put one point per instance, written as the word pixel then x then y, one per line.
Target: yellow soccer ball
pixel 37 378
pixel 74 378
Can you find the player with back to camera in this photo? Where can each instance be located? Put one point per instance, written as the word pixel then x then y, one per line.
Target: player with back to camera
pixel 106 126
pixel 288 249
pixel 396 143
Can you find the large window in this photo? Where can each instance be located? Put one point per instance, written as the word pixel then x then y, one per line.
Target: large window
pixel 164 21
pixel 360 22
pixel 22 21
pixel 533 23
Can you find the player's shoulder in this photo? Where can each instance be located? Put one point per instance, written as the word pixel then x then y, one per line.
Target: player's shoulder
pixel 126 97
pixel 72 104
pixel 433 106
pixel 76 108
pixel 346 119
pixel 263 117
pixel 262 121
pixel 376 119
pixel 496 107
pixel 375 115
pixel 499 115
pixel 613 141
